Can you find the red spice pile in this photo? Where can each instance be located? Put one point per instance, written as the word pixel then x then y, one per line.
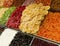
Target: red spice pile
pixel 14 20
pixel 51 27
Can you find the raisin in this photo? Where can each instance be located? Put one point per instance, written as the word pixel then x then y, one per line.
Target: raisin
pixel 21 40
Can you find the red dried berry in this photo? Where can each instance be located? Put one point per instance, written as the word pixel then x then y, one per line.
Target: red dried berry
pixel 14 19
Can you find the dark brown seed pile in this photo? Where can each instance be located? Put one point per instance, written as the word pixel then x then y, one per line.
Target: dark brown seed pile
pixel 21 40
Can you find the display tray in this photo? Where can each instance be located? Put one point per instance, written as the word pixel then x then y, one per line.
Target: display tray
pixel 36 40
pixel 40 41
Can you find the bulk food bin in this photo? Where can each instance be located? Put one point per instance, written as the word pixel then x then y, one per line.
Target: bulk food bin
pixel 53 10
pixel 20 37
pixel 36 40
pixel 49 2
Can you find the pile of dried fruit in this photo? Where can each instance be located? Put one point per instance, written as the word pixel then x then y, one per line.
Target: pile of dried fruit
pixel 45 2
pixel 21 39
pixel 6 12
pixel 32 17
pixel 14 19
pixel 50 28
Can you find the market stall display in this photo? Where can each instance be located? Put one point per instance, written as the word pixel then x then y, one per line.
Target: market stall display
pixel 29 22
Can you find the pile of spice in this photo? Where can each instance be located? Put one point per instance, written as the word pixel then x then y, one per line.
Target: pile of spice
pixel 5 13
pixel 55 5
pixel 50 28
pixel 45 2
pixel 32 17
pixel 8 3
pixel 38 42
pixel 14 19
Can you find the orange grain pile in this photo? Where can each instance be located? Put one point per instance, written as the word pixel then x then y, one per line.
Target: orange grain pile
pixel 51 27
pixel 45 2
